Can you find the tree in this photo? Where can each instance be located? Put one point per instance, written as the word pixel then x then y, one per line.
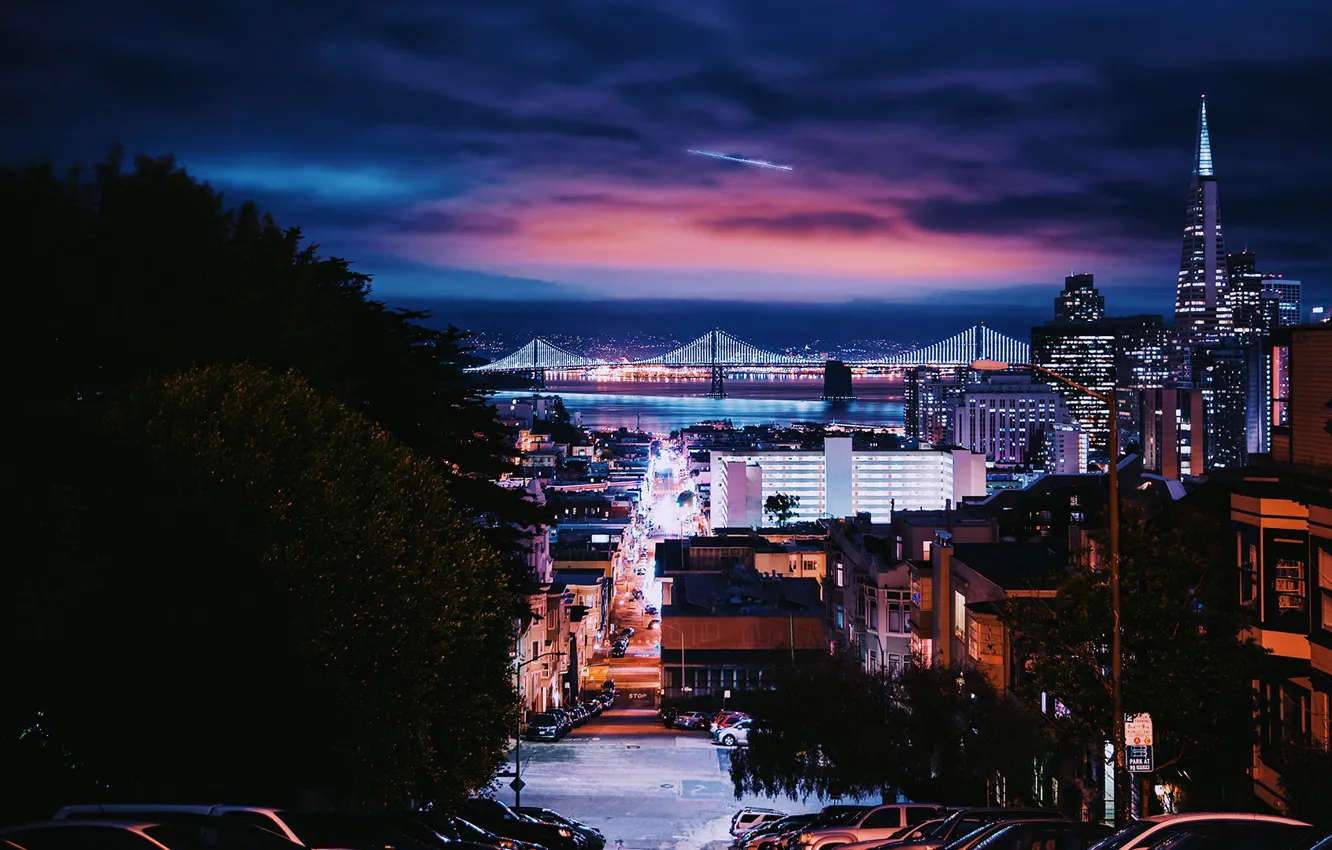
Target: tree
pixel 780 507
pixel 1184 660
pixel 1306 776
pixel 685 498
pixel 258 591
pixel 930 733
pixel 145 272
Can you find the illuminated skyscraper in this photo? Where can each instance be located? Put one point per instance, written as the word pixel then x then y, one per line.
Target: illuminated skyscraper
pixel 1246 286
pixel 1079 302
pixel 1288 292
pixel 1202 305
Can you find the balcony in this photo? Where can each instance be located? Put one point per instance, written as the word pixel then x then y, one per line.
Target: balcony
pixel 922 622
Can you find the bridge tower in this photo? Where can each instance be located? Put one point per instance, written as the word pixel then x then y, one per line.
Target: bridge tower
pixel 538 372
pixel 718 389
pixel 977 345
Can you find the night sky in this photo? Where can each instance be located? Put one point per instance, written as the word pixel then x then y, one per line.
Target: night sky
pixel 965 154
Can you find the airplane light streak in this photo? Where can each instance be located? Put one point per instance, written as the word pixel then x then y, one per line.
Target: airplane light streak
pixel 733 158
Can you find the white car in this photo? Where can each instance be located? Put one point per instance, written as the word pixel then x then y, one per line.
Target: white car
pixel 1236 829
pixel 736 734
pixel 881 822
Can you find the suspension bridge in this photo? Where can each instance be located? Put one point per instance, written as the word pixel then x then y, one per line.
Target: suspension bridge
pixel 719 351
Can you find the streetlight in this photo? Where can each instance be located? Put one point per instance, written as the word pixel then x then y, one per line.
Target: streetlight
pixel 682 649
pixel 517 783
pixel 1116 650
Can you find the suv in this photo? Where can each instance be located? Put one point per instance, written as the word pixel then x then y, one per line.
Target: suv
pixel 879 822
pixel 544 727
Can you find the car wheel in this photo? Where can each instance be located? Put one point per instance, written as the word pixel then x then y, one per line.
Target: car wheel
pixel 728 740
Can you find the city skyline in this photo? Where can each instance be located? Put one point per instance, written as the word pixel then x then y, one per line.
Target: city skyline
pixel 540 153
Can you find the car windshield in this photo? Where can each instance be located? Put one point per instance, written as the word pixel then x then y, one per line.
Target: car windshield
pixel 1124 836
pixel 544 720
pixel 847 816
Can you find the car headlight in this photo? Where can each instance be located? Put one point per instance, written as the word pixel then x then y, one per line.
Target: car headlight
pixel 506 844
pixel 566 833
pixel 806 837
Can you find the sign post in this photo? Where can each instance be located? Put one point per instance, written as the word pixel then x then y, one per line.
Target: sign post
pixel 1139 750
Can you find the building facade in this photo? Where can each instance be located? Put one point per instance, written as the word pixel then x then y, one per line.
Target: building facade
pixel 1084 353
pixel 839 481
pixel 928 396
pixel 1202 304
pixel 1007 418
pixel 1080 301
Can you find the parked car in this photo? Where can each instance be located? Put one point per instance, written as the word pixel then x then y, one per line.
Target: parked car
pixel 667 714
pixel 691 720
pixel 544 727
pixel 358 832
pixel 878 822
pixel 60 835
pixel 463 834
pixel 653 623
pixel 1201 829
pixel 271 819
pixel 752 816
pixel 195 825
pixel 967 821
pixel 608 685
pixel 503 821
pixel 618 650
pixel 737 734
pixel 595 839
pixel 726 718
pixel 627 632
pixel 1064 834
pixel 769 836
pixel 650 610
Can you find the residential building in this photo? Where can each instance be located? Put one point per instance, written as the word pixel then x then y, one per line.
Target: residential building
pixel 1084 353
pixel 795 556
pixel 866 593
pixel 1281 509
pixel 1202 304
pixel 1007 417
pixel 957 599
pixel 1080 301
pixel 839 480
pixel 731 631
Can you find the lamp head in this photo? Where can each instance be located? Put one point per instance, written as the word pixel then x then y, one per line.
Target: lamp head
pixel 989 366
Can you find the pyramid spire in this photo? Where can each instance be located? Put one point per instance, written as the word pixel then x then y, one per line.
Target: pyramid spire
pixel 1203 161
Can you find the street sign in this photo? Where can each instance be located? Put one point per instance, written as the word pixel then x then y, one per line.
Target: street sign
pixel 1139 749
pixel 517 784
pixel 1139 759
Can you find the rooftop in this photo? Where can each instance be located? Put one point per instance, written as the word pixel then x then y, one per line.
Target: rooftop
pixel 1014 566
pixel 722 595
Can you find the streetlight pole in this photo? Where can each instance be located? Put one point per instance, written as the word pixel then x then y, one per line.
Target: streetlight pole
pixel 1116 636
pixel 517 783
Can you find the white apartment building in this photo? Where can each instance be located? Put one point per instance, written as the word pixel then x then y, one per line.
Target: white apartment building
pixel 1005 416
pixel 839 481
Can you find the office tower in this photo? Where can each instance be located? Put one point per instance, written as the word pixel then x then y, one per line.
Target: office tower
pixel 1007 417
pixel 1142 350
pixel 1288 298
pixel 1079 302
pixel 1221 374
pixel 1246 286
pixel 928 395
pixel 1202 309
pixel 1084 353
pixel 1065 450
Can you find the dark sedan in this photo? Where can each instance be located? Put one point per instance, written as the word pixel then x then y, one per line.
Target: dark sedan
pixel 501 820
pixel 595 839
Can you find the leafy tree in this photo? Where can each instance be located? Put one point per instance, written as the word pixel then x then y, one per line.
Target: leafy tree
pixel 142 272
pixel 685 498
pixel 245 590
pixel 781 507
pixel 930 733
pixel 1184 660
pixel 1306 777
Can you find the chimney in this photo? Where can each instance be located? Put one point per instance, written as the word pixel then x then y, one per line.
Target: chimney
pixel 941 556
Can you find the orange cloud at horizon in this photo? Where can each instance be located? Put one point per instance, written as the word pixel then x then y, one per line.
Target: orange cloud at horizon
pixel 787 230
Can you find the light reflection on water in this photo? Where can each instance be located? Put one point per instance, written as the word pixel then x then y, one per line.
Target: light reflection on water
pixel 669 405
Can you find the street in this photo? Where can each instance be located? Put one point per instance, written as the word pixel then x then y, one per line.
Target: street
pixel 639 783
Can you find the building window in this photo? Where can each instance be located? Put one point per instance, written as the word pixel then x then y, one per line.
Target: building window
pixel 1325 586
pixel 1248 577
pixel 894 662
pixel 873 611
pixel 897 618
pixel 841 575
pixel 959 614
pixel 841 616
